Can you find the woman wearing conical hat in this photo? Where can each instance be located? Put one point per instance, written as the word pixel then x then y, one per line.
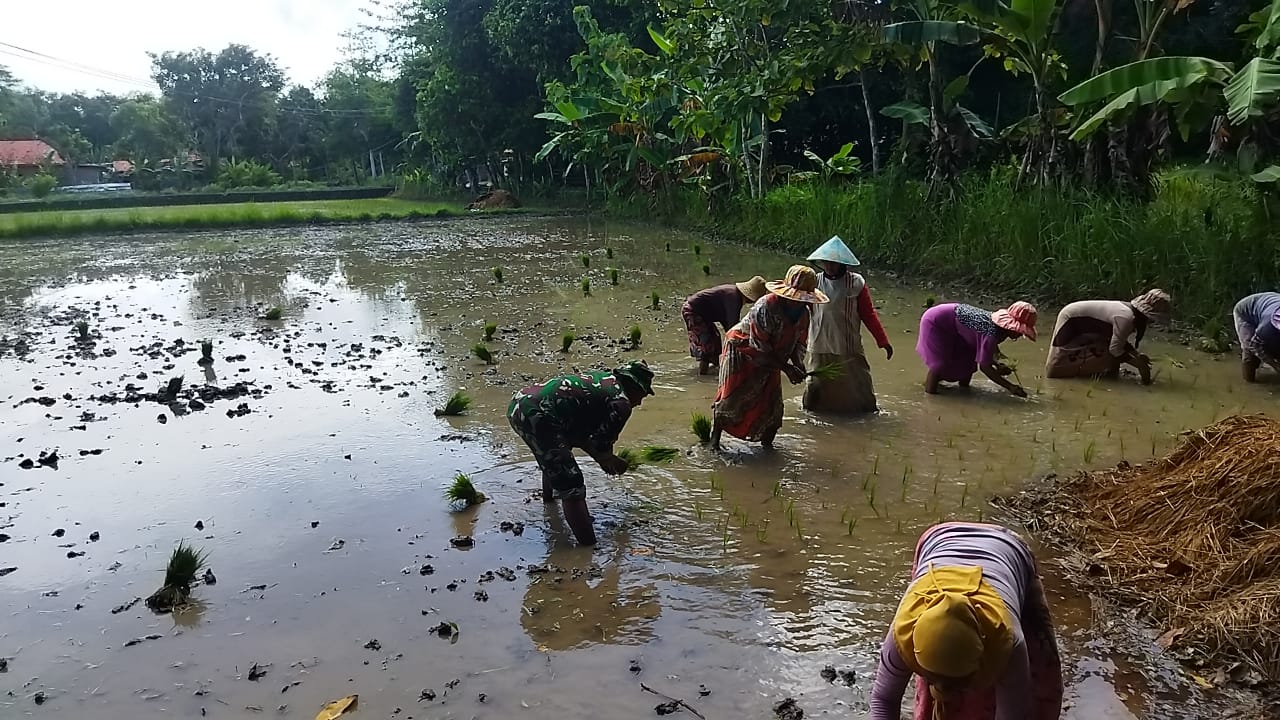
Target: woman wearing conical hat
pixel 835 337
pixel 768 342
pixel 975 630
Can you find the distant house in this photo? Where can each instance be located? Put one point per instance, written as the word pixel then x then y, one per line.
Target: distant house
pixel 29 157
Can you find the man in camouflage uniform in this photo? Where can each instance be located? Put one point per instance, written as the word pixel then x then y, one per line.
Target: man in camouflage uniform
pixel 584 411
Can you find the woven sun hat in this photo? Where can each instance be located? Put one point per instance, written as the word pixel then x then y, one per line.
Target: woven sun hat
pixel 834 250
pixel 800 284
pixel 753 289
pixel 1019 317
pixel 1155 304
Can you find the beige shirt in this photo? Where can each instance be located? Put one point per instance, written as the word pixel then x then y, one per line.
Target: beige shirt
pixel 1112 312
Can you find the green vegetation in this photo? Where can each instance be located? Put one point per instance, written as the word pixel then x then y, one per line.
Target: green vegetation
pixel 458 403
pixel 489 330
pixel 482 353
pixel 586 260
pixel 566 341
pixel 206 352
pixel 461 492
pixel 185 564
pixel 701 426
pixel 274 313
pixel 653 299
pixel 613 276
pixel 497 274
pixel 42 185
pixel 173 387
pixel 231 215
pixel 635 335
pixel 658 454
pixel 586 287
pixel 631 457
pixel 706 269
pixel 608 253
pixel 82 329
pixel 697 249
pixel 828 372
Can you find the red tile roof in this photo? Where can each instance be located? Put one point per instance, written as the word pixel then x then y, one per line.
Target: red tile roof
pixel 122 166
pixel 27 153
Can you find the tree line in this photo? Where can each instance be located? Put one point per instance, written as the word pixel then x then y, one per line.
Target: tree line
pixel 721 97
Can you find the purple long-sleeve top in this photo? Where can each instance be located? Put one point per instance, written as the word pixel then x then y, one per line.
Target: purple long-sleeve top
pixel 1008 567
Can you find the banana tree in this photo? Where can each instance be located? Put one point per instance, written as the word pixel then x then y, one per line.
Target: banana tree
pixel 1195 87
pixel 934 25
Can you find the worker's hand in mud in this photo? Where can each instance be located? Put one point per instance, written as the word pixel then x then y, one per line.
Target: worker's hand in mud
pixel 1002 370
pixel 613 465
pixel 1018 390
pixel 888 352
pixel 794 374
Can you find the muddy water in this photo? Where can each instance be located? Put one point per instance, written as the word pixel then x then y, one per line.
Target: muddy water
pixel 727 581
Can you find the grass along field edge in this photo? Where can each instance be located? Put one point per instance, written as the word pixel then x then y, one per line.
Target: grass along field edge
pixel 235 215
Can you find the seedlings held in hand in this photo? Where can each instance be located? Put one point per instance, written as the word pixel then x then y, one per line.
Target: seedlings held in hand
pixel 701 426
pixel 457 404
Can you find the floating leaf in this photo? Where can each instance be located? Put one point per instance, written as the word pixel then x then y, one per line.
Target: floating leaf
pixel 335 709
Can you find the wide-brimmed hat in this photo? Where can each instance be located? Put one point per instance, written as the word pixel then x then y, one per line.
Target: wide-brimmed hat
pixel 636 374
pixel 1019 317
pixel 1155 304
pixel 800 284
pixel 753 289
pixel 834 250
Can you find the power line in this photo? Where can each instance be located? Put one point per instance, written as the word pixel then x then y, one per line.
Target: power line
pixel 72 66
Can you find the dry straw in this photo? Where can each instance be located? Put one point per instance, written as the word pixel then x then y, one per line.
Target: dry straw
pixel 1193 539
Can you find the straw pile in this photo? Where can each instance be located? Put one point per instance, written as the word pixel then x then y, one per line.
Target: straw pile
pixel 1192 539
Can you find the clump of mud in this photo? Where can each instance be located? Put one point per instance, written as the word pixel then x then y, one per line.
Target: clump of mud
pixel 1191 539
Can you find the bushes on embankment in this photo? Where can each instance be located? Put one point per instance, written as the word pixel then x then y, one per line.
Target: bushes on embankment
pixel 1204 240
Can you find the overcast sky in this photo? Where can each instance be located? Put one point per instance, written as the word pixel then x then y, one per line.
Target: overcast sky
pixel 100 39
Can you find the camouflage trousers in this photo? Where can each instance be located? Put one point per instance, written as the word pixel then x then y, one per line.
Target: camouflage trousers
pixel 561 476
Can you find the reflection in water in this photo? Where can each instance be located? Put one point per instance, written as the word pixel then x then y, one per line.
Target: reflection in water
pixel 571 605
pixel 754 570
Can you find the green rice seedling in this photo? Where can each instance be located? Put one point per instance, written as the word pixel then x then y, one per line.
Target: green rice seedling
pixel 701 426
pixel 964 495
pixel 586 287
pixel 844 515
pixel 185 564
pixel 875 465
pixel 930 301
pixel 274 313
pixel 82 328
pixel 851 525
pixel 762 534
pixel 653 299
pixel 566 341
pixel 827 372
pixel 697 249
pixel 668 246
pixel 206 353
pixel 697 509
pixel 706 269
pixel 613 276
pixel 777 488
pixel 979 514
pixel 462 492
pixel 632 459
pixel 586 260
pixel 658 454
pixel 482 353
pixel 497 274
pixel 608 252
pixel 489 330
pixel 635 335
pixel 173 387
pixel 458 403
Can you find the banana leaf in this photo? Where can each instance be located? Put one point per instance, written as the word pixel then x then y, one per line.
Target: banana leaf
pixel 919 32
pixel 1253 90
pixel 1182 71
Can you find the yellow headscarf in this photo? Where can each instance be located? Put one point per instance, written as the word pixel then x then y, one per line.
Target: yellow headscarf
pixel 952 623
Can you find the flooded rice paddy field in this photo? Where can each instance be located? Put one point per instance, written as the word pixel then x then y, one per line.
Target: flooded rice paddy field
pixel 315 468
